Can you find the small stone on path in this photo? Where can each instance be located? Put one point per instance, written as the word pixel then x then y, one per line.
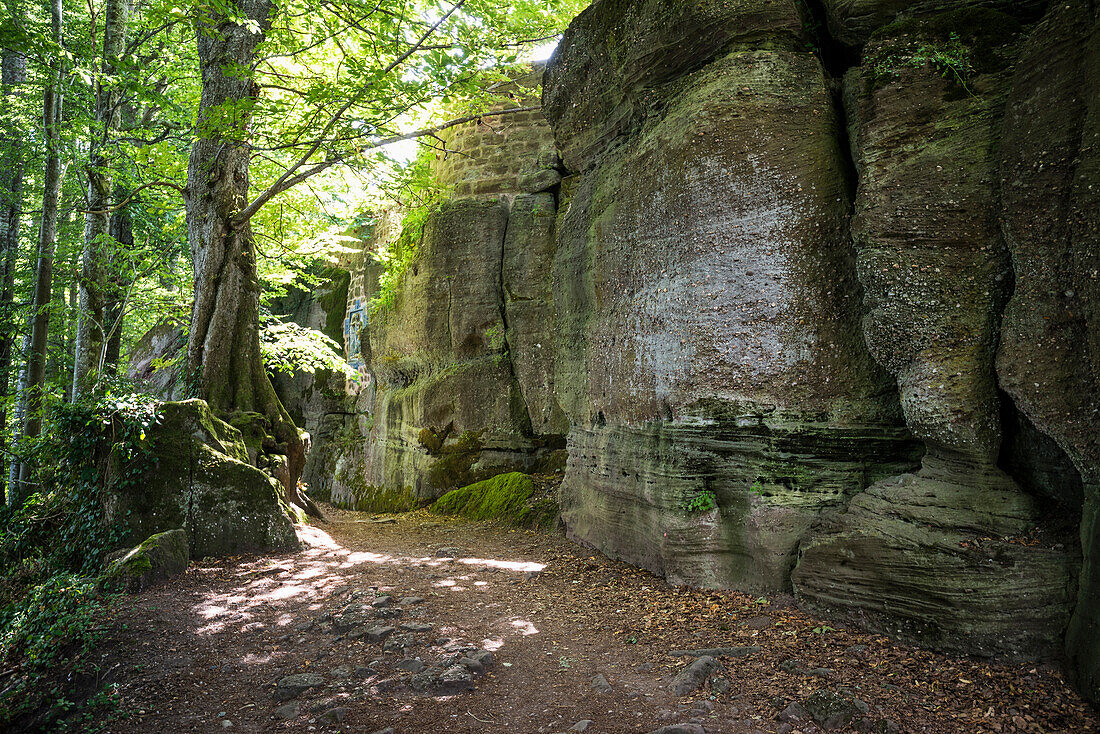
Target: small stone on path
pixel 456 678
pixel 294 685
pixel 582 725
pixel 693 676
pixel 288 711
pixel 679 729
pixel 599 682
pixel 410 600
pixel 377 634
pixel 335 715
pixel 413 665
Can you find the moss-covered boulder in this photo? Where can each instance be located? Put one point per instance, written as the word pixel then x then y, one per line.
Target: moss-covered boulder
pixel 507 497
pixel 155 559
pixel 202 482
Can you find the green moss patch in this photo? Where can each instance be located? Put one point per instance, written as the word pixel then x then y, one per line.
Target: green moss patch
pixel 506 497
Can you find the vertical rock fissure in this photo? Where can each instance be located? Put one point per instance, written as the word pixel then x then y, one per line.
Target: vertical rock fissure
pixel 836 61
pixel 526 427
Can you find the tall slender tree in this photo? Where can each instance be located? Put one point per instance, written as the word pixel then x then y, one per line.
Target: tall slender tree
pixel 47 241
pixel 14 76
pixel 89 348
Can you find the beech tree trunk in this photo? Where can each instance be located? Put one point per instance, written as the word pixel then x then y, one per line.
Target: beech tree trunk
pixel 47 241
pixel 13 74
pixel 114 303
pixel 223 351
pixel 88 352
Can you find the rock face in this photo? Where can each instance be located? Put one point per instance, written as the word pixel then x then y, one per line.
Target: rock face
pixel 810 299
pixel 317 400
pixel 710 355
pixel 457 364
pixel 820 323
pixel 203 484
pixel 937 275
pixel 1049 355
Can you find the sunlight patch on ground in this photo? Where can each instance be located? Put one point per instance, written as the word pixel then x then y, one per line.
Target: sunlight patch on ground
pixel 518 566
pixel 321 568
pixel 492 644
pixel 524 627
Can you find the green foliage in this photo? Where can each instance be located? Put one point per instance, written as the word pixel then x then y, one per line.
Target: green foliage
pixel 397 257
pixel 496 338
pixel 704 501
pixel 52 548
pixel 91 443
pixel 288 347
pixel 47 637
pixel 414 188
pixel 951 58
pixel 506 497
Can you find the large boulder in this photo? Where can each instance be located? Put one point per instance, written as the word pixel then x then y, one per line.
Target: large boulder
pixel 156 360
pixel 202 482
pixel 709 353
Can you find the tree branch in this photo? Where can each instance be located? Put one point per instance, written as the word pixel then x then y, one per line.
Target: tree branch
pixel 289 180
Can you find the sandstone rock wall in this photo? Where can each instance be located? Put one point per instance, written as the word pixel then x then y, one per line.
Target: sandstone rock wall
pixel 813 309
pixel 831 268
pixel 455 373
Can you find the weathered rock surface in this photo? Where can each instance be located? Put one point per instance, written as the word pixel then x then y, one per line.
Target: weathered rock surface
pixel 316 398
pixel 809 298
pixel 203 484
pixel 1049 355
pixel 710 357
pixel 937 275
pixel 153 365
pixel 155 559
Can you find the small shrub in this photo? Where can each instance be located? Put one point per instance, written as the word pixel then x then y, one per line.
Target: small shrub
pixel 47 638
pixel 704 501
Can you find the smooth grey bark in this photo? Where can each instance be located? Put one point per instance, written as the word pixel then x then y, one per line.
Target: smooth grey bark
pixel 89 347
pixel 224 365
pixel 114 302
pixel 47 241
pixel 13 74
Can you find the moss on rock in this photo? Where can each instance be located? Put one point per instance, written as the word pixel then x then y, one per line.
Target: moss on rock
pixel 156 558
pixel 506 497
pixel 202 482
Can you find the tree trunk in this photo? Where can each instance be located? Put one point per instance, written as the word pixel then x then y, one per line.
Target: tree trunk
pixel 13 74
pixel 47 241
pixel 224 365
pixel 114 304
pixel 92 284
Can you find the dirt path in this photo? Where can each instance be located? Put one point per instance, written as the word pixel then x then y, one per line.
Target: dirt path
pixel 212 646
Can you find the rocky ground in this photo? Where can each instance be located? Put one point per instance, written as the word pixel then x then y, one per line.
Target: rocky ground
pixel 414 625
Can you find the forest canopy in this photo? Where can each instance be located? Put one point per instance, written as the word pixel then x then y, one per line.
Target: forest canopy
pixel 118 117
